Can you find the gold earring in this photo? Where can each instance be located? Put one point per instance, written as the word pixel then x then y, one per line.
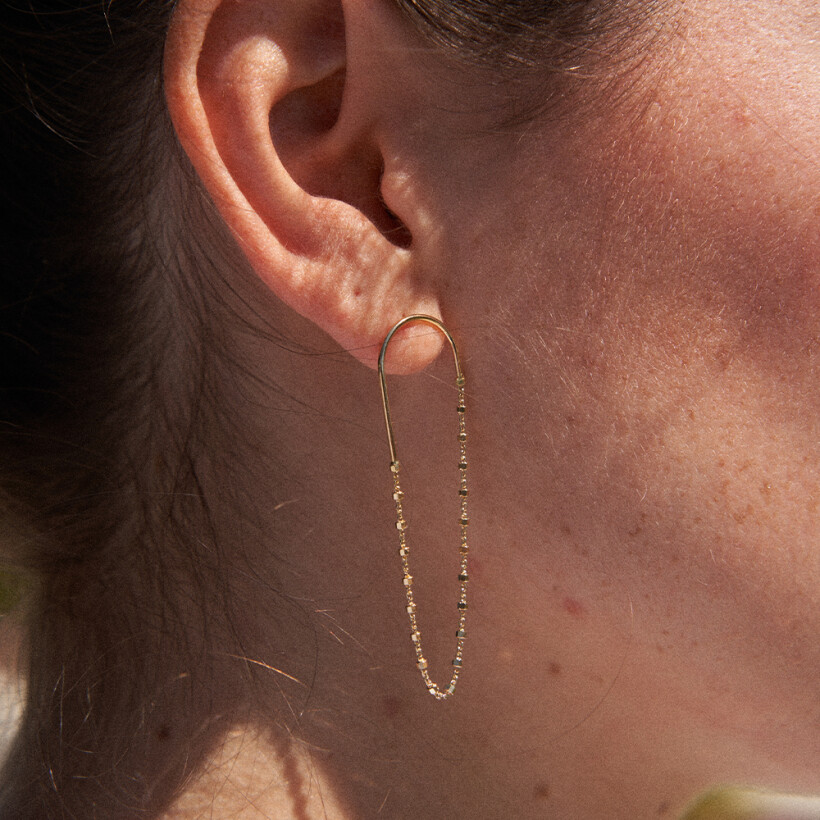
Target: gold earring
pixel 401 523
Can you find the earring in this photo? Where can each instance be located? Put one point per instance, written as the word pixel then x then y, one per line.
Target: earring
pixel 401 523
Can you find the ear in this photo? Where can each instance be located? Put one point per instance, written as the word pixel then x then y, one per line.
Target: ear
pixel 283 134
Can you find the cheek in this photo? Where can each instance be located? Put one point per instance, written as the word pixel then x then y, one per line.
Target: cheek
pixel 642 269
pixel 643 310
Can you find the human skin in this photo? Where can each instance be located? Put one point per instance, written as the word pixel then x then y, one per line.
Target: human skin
pixel 633 281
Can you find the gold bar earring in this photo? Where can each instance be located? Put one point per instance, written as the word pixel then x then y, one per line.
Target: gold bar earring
pixel 401 523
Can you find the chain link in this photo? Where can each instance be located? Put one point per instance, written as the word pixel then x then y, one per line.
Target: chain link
pixel 404 552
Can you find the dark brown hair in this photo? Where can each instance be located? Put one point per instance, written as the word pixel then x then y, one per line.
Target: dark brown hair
pixel 530 36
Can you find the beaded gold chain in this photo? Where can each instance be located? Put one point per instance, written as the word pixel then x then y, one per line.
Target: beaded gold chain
pixel 401 522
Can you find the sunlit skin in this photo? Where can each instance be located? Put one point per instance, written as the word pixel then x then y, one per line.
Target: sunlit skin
pixel 632 279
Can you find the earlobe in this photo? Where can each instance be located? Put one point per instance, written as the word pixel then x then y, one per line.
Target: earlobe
pixel 258 93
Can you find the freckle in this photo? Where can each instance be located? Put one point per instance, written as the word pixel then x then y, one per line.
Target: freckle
pixel 542 791
pixel 633 533
pixel 164 732
pixel 565 529
pixel 574 607
pixel 741 118
pixel 742 515
pixel 555 668
pixel 589 360
pixel 663 808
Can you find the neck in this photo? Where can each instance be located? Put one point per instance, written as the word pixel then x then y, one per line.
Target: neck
pixel 255 647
